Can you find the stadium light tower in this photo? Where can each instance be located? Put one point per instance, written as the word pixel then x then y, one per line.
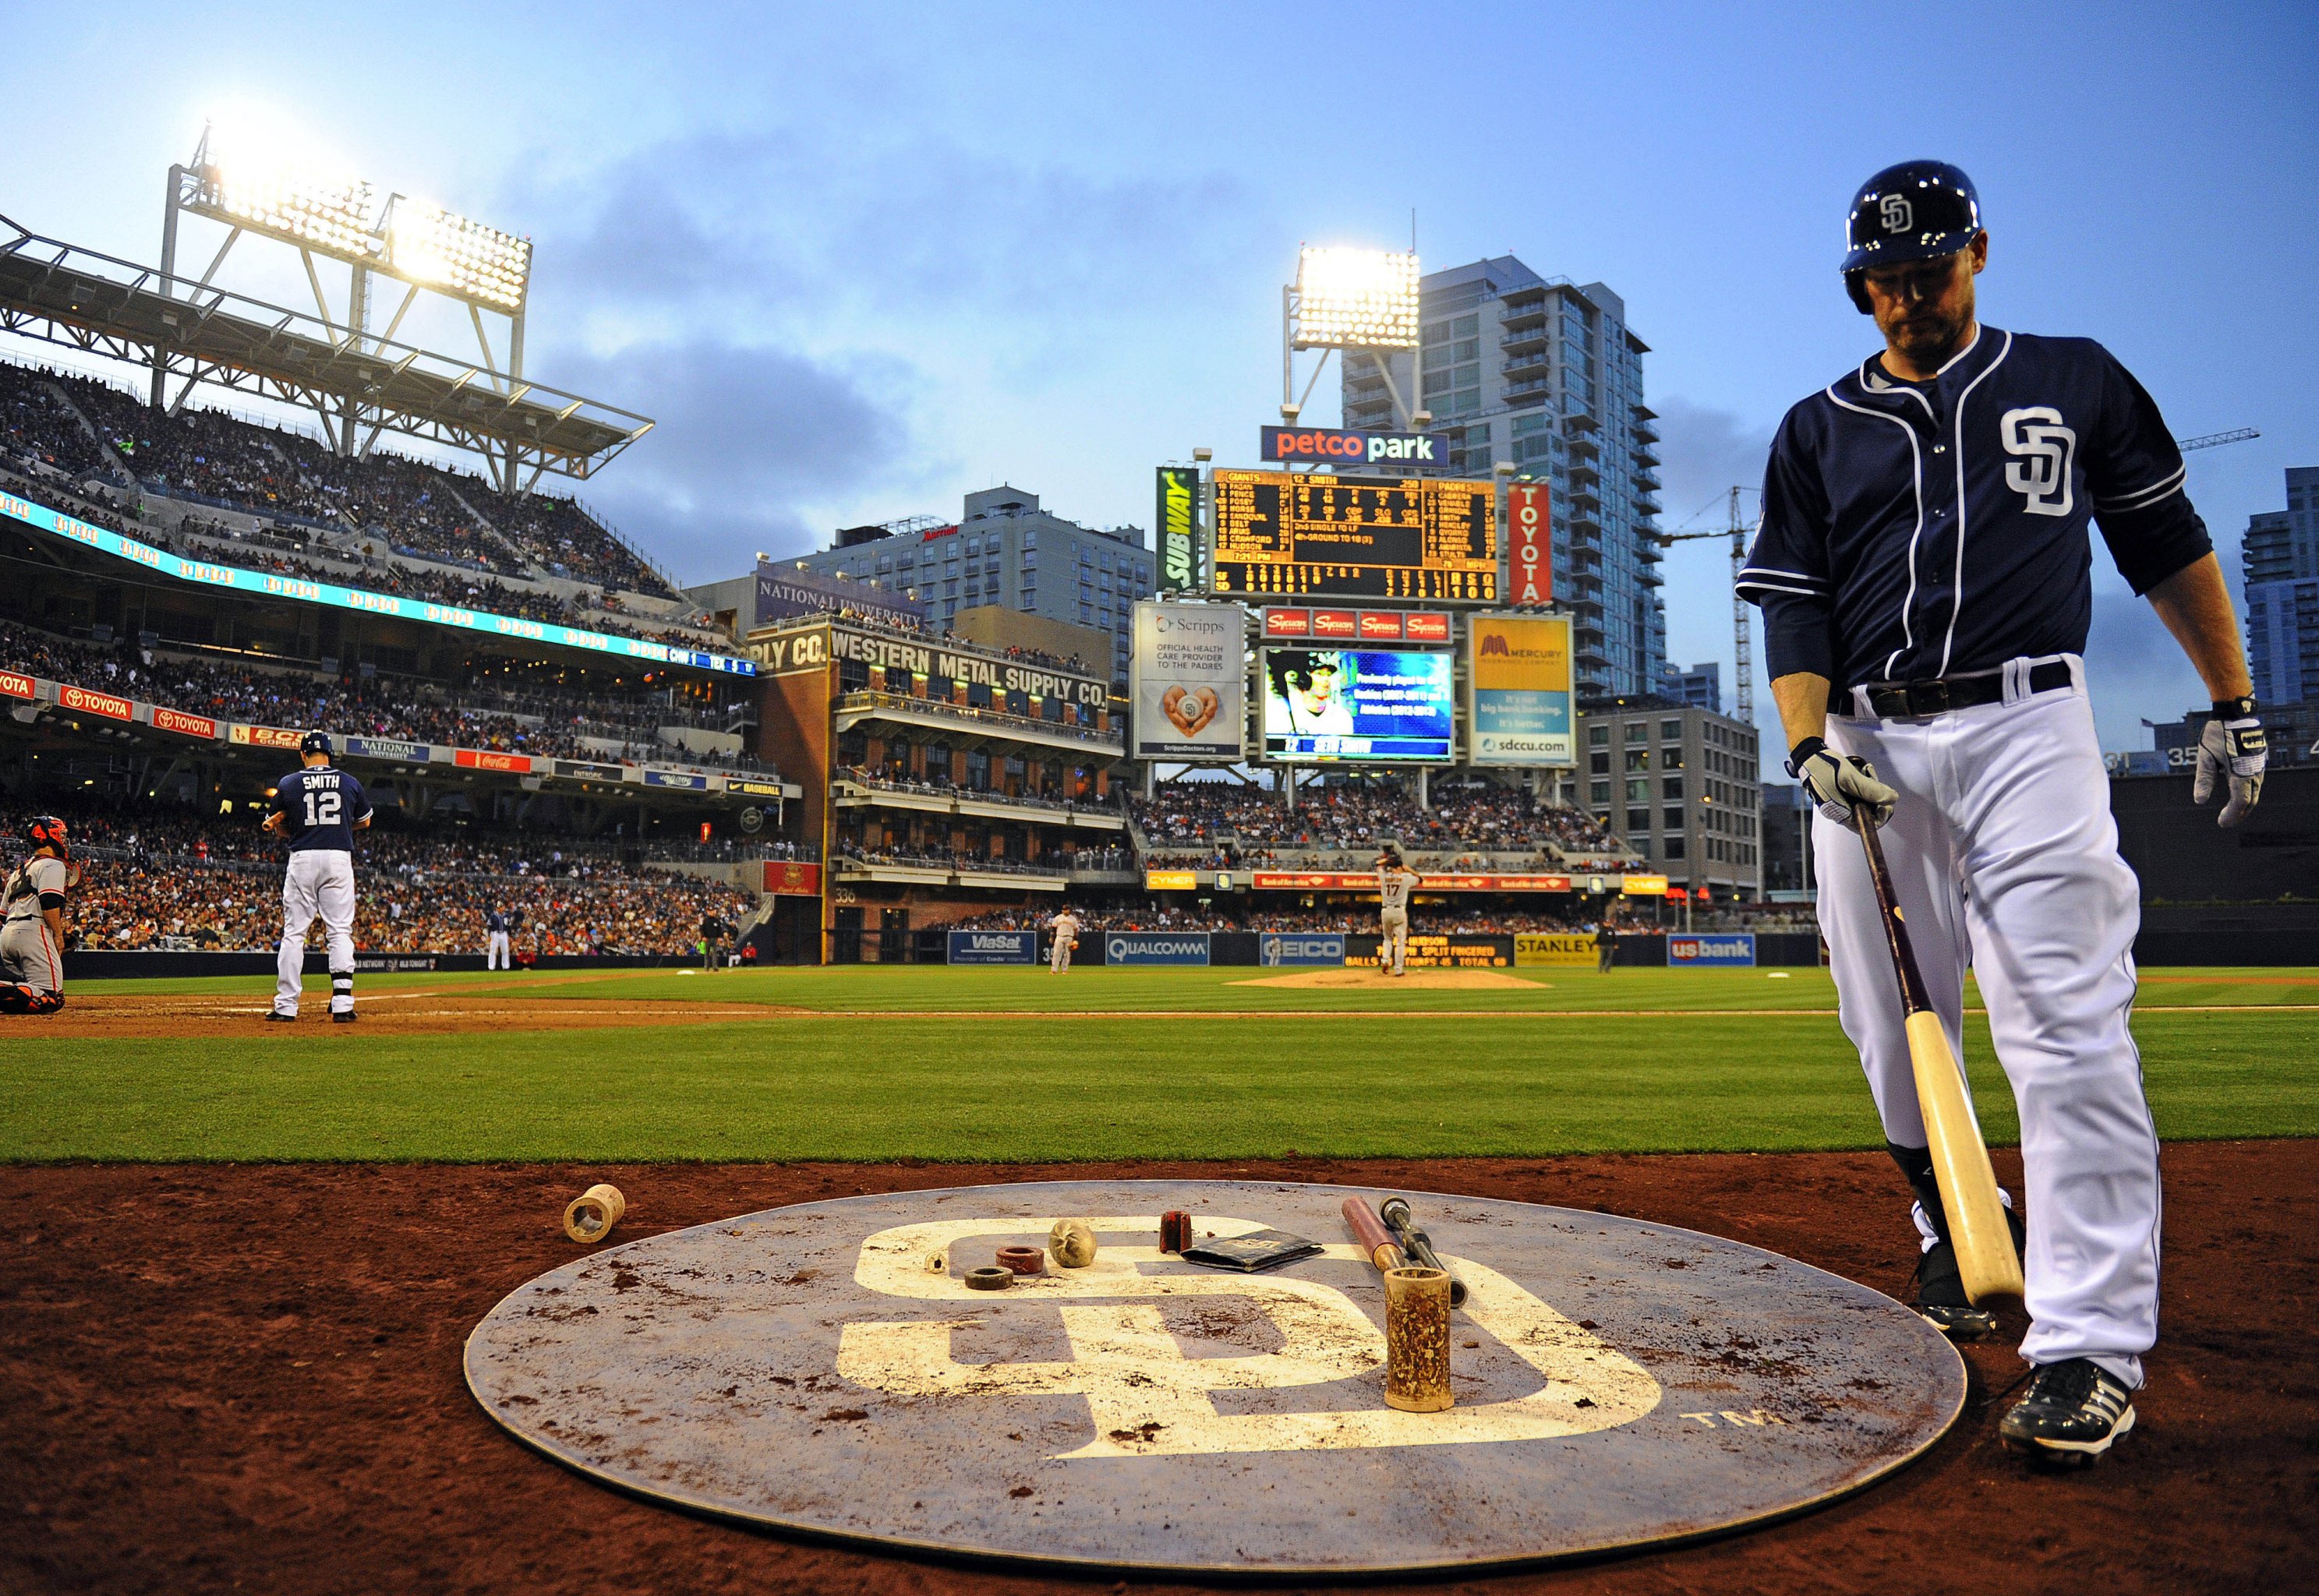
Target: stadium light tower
pixel 291 198
pixel 1356 301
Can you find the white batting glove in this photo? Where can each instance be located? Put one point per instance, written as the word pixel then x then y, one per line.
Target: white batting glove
pixel 2231 746
pixel 1842 785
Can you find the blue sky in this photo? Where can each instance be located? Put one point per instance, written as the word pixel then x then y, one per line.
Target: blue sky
pixel 857 260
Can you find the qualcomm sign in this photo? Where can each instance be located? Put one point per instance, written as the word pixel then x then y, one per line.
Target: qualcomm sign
pixel 1277 947
pixel 1329 445
pixel 1156 947
pixel 993 947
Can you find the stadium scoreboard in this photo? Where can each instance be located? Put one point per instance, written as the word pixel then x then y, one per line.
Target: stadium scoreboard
pixel 1297 534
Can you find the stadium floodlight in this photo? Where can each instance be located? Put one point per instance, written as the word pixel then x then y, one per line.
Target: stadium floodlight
pixel 321 210
pixel 1355 299
pixel 441 249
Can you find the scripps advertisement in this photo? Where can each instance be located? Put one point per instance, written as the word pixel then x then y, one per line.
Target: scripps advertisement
pixel 1323 705
pixel 1519 683
pixel 1189 679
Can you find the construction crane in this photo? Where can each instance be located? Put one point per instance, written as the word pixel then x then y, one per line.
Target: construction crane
pixel 1743 649
pixel 1742 646
pixel 2209 441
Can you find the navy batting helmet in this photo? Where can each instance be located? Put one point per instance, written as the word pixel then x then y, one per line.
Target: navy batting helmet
pixel 49 832
pixel 315 743
pixel 1915 210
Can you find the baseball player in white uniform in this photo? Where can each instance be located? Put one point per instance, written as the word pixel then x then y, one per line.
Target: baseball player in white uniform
pixel 32 938
pixel 319 809
pixel 1066 928
pixel 1923 569
pixel 1395 880
pixel 495 940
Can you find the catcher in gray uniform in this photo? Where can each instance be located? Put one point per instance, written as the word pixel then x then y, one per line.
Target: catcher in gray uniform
pixel 31 942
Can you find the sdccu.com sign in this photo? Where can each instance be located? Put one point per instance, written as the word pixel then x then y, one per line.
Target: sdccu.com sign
pixel 1156 947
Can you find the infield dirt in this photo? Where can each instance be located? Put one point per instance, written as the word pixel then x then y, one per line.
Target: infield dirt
pixel 223 1376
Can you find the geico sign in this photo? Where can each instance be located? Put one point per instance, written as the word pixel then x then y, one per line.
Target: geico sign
pixel 1326 443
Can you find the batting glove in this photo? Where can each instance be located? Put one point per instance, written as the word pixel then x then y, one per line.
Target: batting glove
pixel 1840 784
pixel 2231 746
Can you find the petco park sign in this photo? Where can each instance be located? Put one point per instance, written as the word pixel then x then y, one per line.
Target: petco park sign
pixel 1339 447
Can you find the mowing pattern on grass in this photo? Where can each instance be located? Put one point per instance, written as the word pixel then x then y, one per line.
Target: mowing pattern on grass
pixel 876 1083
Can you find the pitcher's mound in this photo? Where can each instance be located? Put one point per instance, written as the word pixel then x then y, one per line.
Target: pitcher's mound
pixel 1457 980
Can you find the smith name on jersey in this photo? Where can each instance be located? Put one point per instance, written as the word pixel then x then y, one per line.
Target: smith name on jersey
pixel 322 805
pixel 1914 530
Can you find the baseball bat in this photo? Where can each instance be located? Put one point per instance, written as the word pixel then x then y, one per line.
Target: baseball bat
pixel 1369 1231
pixel 1394 1212
pixel 1968 1185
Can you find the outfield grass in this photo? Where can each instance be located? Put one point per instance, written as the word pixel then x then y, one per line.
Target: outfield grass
pixel 1384 1074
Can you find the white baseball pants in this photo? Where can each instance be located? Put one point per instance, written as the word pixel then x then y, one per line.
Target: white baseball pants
pixel 2005 862
pixel 319 880
pixel 1058 961
pixel 495 951
pixel 1392 950
pixel 29 957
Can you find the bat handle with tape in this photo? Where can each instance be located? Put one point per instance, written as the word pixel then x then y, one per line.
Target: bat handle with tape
pixel 1369 1231
pixel 1987 1262
pixel 1417 1244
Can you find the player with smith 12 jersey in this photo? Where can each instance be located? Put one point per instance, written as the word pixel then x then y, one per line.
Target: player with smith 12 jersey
pixel 1924 573
pixel 320 809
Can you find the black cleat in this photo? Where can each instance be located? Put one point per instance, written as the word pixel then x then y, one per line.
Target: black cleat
pixel 274 1016
pixel 2074 1410
pixel 1941 1300
pixel 343 1017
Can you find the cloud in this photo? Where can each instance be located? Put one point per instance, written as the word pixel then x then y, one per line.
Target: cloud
pixel 1703 453
pixel 748 444
pixel 784 222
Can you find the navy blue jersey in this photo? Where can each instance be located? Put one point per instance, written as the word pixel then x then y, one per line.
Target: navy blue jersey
pixel 322 805
pixel 494 921
pixel 1921 529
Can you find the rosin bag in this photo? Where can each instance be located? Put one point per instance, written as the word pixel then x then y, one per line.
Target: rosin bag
pixel 1258 1250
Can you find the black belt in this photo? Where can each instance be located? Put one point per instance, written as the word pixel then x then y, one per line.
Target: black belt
pixel 1901 700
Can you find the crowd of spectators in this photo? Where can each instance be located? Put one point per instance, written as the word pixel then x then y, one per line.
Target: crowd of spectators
pixel 414 508
pixel 595 727
pixel 1231 824
pixel 156 876
pixel 946 859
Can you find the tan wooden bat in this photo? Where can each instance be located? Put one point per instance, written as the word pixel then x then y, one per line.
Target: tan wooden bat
pixel 1986 1259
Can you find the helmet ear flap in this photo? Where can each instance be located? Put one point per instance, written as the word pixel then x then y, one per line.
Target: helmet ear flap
pixel 1856 283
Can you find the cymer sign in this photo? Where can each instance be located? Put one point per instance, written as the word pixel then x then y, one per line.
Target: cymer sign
pixel 1427 539
pixel 1350 706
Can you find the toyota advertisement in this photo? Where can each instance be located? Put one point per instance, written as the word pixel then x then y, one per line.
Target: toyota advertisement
pixel 1354 706
pixel 1188 679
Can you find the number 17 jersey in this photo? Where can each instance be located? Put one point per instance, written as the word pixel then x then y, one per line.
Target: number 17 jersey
pixel 322 806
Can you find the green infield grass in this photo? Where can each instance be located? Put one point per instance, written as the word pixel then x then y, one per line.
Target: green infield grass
pixel 1013 1064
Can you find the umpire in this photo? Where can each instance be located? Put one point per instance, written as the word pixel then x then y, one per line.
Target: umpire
pixel 1923 569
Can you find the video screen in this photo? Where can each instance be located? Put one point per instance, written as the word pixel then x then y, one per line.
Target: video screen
pixel 1357 704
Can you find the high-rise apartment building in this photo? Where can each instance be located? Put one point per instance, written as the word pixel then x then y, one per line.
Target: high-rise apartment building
pixel 1005 550
pixel 1534 371
pixel 2279 563
pixel 1699 685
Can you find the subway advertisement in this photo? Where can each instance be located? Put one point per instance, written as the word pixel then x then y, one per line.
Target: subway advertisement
pixel 1353 706
pixel 1518 686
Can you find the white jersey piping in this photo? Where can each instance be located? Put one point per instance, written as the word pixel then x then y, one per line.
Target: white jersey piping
pixel 1956 592
pixel 1916 481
